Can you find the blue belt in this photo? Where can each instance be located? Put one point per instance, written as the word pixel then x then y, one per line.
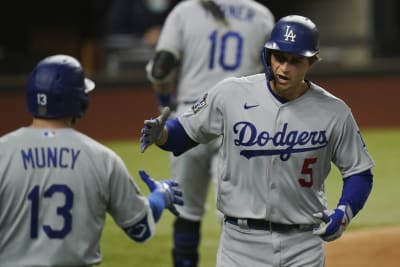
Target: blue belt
pixel 259 224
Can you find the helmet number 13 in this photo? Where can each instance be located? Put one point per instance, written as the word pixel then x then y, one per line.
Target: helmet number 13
pixel 41 99
pixel 63 211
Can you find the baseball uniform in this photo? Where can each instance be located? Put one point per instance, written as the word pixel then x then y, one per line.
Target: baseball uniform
pixel 274 160
pixel 56 186
pixel 207 52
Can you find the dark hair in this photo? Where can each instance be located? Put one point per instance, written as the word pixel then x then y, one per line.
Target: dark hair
pixel 215 10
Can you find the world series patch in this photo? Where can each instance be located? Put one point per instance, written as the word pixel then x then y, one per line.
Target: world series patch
pixel 200 104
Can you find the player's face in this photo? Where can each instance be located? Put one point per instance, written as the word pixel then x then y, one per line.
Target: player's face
pixel 289 72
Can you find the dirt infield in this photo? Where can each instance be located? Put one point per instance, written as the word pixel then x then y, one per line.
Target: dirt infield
pixel 372 247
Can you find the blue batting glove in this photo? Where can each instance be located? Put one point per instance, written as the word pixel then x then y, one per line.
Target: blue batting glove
pixel 334 222
pixel 153 129
pixel 169 189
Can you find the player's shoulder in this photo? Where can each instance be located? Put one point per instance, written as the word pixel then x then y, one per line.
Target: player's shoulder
pixel 185 6
pixel 260 10
pixel 103 155
pixel 230 84
pixel 7 137
pixel 327 98
pixel 186 11
pixel 94 146
pixel 258 7
pixel 243 79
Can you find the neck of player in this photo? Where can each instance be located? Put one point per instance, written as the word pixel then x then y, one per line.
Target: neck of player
pixel 53 123
pixel 291 92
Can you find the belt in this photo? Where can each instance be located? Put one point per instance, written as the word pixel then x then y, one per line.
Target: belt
pixel 259 224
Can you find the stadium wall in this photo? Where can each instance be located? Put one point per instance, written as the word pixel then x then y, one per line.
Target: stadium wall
pixel 117 112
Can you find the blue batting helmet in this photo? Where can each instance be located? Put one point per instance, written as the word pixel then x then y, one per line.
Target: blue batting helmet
pixel 293 34
pixel 57 87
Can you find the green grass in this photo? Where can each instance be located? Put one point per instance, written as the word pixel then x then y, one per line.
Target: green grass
pixel 381 208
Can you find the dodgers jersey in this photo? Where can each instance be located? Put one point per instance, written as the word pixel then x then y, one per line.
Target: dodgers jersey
pixel 275 157
pixel 56 186
pixel 209 51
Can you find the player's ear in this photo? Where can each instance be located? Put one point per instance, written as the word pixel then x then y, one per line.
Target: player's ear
pixel 314 59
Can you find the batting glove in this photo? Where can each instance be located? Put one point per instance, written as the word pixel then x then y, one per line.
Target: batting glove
pixel 153 129
pixel 334 222
pixel 168 190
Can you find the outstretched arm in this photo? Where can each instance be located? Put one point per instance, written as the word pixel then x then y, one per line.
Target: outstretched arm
pixel 167 134
pixel 165 194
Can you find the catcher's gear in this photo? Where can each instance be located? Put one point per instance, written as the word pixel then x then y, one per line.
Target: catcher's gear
pixel 293 34
pixel 334 222
pixel 57 88
pixel 166 192
pixel 153 129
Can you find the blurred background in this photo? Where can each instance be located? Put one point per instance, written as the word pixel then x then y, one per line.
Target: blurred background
pixel 114 39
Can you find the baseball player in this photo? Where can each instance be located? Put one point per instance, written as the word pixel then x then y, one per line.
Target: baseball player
pixel 280 133
pixel 203 42
pixel 56 184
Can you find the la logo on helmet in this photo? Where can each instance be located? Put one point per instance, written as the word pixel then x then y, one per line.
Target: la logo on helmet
pixel 289 34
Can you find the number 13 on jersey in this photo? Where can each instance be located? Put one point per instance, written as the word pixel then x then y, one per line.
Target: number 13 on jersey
pixel 63 211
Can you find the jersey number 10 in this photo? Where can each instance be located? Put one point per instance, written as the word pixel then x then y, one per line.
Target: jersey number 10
pixel 63 211
pixel 219 46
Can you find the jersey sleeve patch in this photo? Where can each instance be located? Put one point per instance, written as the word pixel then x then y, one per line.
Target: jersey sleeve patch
pixel 201 104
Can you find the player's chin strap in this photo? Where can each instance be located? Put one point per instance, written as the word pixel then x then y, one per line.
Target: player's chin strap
pixel 269 75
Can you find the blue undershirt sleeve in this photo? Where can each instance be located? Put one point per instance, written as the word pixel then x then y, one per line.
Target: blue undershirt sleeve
pixel 178 141
pixel 164 100
pixel 356 189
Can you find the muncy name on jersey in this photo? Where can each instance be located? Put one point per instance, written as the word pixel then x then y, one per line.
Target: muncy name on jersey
pixel 49 157
pixel 284 142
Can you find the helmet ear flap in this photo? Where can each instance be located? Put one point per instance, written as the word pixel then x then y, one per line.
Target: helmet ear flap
pixel 84 103
pixel 266 61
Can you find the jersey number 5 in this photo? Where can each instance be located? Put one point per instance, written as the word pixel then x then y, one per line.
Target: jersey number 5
pixel 63 210
pixel 307 170
pixel 221 43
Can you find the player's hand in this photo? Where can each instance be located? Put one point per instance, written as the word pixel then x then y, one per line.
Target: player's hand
pixel 334 222
pixel 168 190
pixel 153 129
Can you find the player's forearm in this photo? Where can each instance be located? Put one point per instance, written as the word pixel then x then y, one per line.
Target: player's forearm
pixel 174 138
pixel 356 189
pixel 142 230
pixel 164 99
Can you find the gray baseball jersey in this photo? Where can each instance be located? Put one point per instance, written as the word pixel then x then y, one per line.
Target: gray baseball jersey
pixel 275 157
pixel 56 186
pixel 208 51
